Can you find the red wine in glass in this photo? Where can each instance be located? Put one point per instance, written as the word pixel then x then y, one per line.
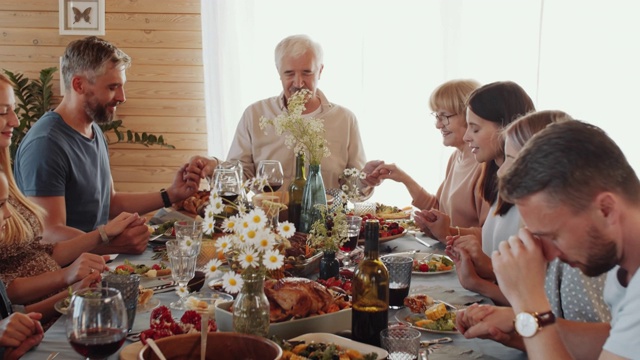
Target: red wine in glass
pixel 350 244
pixel 229 197
pixel 271 187
pixel 98 343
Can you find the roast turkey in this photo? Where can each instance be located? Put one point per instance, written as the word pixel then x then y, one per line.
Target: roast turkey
pixel 297 298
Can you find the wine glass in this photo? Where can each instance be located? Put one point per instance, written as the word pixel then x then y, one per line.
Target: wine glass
pixel 354 223
pixel 228 186
pixel 183 258
pixel 97 322
pixel 271 170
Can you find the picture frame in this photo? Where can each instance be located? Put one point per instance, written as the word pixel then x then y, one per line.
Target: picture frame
pixel 81 17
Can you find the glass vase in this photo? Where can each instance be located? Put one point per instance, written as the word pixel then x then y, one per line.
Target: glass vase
pixel 313 194
pixel 329 265
pixel 251 307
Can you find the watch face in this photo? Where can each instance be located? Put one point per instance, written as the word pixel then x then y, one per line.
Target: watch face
pixel 526 324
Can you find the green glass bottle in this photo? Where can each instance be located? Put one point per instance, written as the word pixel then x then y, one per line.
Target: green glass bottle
pixel 370 291
pixel 295 192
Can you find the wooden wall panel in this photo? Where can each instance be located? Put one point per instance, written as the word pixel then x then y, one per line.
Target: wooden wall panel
pixel 165 91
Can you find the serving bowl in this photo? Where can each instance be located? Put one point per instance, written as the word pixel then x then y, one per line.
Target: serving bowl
pixel 220 346
pixel 326 323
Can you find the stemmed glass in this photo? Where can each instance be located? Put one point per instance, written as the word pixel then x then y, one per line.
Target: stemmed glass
pixel 271 170
pixel 228 186
pixel 354 224
pixel 97 322
pixel 183 254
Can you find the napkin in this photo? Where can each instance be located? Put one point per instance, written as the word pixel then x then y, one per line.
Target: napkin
pixel 457 298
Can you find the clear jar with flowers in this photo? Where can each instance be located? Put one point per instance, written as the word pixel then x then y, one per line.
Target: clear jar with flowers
pixel 255 248
pixel 304 134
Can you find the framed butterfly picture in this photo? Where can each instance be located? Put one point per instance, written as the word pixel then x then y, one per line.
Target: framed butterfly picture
pixel 81 17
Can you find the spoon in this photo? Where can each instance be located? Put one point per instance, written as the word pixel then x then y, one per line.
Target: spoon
pixel 156 349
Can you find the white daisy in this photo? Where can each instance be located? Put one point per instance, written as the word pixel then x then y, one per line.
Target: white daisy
pixel 223 243
pixel 251 236
pixel 345 187
pixel 257 218
pixel 212 268
pixel 209 225
pixel 273 259
pixel 232 282
pixel 286 229
pixel 248 257
pixel 265 240
pixel 362 175
pixel 216 205
pixel 230 224
pixel 182 291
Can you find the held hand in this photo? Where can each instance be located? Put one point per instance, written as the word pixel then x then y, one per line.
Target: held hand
pixel 469 278
pixel 14 353
pixel 87 265
pixel 481 262
pixel 391 171
pixel 437 222
pixel 373 177
pixel 121 222
pixel 205 164
pixel 491 322
pixel 133 240
pixel 520 268
pixel 17 328
pixel 185 183
pixel 471 316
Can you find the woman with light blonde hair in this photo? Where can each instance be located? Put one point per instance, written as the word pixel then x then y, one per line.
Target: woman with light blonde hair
pixel 457 195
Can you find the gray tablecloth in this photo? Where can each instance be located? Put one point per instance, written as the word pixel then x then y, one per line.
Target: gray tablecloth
pixel 443 286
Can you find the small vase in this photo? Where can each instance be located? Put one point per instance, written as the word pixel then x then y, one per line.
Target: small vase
pixel 329 265
pixel 313 194
pixel 251 307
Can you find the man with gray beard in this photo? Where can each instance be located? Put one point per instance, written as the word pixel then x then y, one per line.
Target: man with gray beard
pixel 63 162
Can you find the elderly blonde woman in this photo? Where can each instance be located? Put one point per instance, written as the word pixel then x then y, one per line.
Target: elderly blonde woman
pixel 457 196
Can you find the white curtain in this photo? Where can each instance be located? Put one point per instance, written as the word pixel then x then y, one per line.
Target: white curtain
pixel 383 59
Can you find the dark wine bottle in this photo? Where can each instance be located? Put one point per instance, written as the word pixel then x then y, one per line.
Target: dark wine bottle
pixel 370 291
pixel 295 192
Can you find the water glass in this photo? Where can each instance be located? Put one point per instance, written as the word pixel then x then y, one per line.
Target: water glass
pixel 188 230
pixel 402 343
pixel 363 208
pixel 128 285
pixel 182 257
pixel 400 268
pixel 96 322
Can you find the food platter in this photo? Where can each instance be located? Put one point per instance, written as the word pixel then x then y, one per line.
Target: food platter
pixel 425 257
pixel 343 343
pixel 406 316
pixel 386 238
pixel 401 215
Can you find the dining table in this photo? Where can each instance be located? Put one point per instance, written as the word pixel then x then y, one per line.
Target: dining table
pixel 442 286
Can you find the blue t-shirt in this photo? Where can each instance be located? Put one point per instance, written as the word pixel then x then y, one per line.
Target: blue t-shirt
pixel 54 159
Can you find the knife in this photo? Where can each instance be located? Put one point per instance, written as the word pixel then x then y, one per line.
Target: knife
pixel 421 241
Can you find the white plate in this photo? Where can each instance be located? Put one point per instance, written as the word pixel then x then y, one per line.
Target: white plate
pixel 343 343
pixel 424 256
pixel 150 305
pixel 60 307
pixel 402 315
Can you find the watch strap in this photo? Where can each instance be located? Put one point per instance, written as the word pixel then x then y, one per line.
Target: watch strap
pixel 165 198
pixel 103 234
pixel 545 318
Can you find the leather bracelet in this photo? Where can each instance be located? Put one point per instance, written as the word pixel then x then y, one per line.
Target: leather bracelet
pixel 103 234
pixel 165 198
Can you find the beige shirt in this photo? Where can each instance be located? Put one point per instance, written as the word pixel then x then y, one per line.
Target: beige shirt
pixel 457 195
pixel 251 144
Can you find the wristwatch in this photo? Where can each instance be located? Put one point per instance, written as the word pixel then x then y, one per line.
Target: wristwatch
pixel 528 324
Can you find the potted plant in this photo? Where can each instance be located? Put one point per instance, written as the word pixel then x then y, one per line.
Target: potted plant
pixel 34 98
